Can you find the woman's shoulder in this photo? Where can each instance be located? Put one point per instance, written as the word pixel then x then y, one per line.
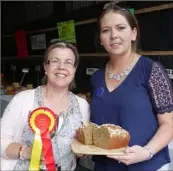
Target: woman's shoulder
pixel 99 72
pixel 84 108
pixel 151 64
pixel 82 101
pixel 146 61
pixel 26 92
pixel 98 76
pixel 145 65
pixel 24 95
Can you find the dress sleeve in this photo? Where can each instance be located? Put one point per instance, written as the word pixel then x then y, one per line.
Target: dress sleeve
pixel 160 88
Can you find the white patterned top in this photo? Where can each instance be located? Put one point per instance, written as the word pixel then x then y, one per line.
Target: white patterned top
pixel 14 128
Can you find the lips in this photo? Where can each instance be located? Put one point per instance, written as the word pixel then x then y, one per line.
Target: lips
pixel 60 75
pixel 115 44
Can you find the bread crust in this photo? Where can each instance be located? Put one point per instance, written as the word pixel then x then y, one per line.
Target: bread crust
pixel 106 136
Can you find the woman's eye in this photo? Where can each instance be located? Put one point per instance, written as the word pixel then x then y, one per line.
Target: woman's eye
pixel 121 28
pixel 54 61
pixel 105 31
pixel 69 64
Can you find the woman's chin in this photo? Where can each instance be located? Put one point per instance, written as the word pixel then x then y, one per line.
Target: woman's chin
pixel 116 53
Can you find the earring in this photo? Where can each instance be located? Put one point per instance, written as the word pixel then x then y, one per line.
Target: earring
pixel 101 43
pixel 45 73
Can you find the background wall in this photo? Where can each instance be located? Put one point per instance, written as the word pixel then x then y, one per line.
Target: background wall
pixel 155 30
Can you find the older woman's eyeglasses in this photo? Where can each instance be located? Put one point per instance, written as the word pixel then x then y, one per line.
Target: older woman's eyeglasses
pixel 57 63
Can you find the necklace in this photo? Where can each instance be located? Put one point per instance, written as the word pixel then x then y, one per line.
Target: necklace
pixel 118 77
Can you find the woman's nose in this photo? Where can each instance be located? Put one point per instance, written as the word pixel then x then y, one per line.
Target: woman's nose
pixel 114 34
pixel 61 65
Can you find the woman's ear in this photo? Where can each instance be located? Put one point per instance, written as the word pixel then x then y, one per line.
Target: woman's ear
pixel 134 34
pixel 45 68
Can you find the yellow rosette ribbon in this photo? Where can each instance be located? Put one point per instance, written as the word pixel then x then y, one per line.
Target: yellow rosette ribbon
pixel 42 121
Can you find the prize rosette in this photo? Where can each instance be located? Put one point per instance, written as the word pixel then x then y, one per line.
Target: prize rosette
pixel 42 121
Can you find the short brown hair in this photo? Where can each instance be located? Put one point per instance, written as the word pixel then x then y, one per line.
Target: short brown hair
pixel 112 7
pixel 56 43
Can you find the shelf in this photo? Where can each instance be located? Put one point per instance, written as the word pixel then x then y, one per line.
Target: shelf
pixel 146 53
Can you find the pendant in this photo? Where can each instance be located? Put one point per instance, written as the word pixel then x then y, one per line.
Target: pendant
pixel 118 77
pixel 126 72
pixel 122 74
pixel 111 75
pixel 115 77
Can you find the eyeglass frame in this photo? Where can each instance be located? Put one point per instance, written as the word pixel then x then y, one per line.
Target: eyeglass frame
pixel 48 62
pixel 69 44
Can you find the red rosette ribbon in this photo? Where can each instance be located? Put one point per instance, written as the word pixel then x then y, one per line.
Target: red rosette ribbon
pixel 42 121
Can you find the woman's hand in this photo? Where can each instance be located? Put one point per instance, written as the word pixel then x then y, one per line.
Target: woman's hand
pixel 42 159
pixel 26 153
pixel 81 155
pixel 134 154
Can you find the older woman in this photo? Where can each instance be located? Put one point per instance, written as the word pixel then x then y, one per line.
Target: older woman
pixel 60 63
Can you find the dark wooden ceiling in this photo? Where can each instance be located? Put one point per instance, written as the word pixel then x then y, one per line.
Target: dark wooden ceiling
pixel 36 15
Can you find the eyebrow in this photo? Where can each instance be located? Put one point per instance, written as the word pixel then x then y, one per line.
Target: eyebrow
pixel 116 26
pixel 59 59
pixel 122 24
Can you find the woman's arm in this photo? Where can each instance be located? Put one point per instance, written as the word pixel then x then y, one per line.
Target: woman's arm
pixel 161 93
pixel 164 133
pixel 160 140
pixel 10 124
pixel 16 150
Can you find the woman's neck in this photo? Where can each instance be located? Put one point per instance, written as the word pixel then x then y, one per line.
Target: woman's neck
pixel 51 92
pixel 120 62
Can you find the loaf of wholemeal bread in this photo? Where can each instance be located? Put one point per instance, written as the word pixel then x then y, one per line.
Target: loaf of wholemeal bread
pixel 106 136
pixel 85 133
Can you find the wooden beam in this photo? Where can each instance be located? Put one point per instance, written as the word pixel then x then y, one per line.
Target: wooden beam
pixel 86 21
pixel 159 53
pixel 140 11
pixel 93 20
pixel 155 8
pixel 93 54
pixel 146 53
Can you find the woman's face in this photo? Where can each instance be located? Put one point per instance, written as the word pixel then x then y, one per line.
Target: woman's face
pixel 116 34
pixel 60 70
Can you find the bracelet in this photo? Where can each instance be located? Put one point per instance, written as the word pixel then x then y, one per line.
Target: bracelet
pixel 21 151
pixel 150 152
pixel 20 148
